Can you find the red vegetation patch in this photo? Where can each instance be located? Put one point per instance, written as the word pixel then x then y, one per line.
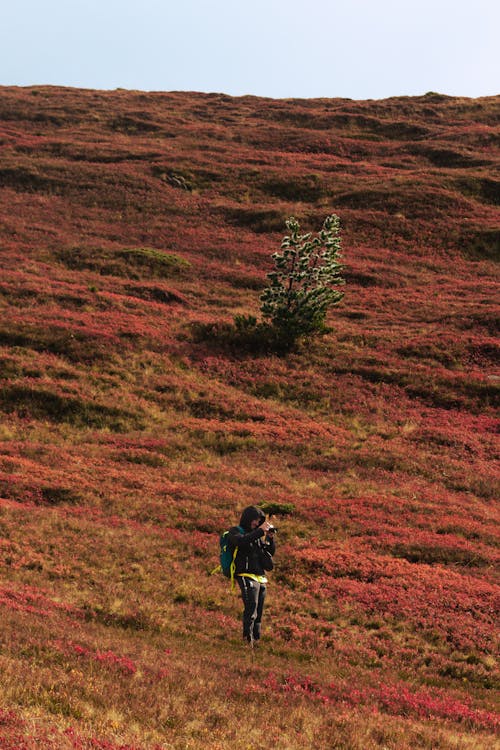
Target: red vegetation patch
pixel 397 698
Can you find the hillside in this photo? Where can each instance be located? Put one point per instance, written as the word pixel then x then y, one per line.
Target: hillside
pixel 128 439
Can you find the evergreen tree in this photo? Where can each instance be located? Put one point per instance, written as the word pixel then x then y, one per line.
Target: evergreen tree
pixel 302 286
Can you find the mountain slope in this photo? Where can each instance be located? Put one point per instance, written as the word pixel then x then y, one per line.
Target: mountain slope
pixel 130 220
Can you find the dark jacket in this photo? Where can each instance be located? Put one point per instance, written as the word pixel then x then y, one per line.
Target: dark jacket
pixel 255 552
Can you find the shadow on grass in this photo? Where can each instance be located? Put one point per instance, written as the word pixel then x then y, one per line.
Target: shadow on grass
pixel 246 336
pixel 44 404
pixel 75 346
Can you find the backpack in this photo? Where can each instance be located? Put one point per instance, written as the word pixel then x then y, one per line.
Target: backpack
pixel 227 556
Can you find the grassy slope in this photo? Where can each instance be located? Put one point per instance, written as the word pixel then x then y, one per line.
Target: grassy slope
pixel 126 445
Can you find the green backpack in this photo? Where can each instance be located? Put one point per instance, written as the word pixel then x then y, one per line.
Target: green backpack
pixel 227 556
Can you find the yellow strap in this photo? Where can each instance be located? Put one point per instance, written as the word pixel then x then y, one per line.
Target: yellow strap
pixel 233 566
pixel 253 577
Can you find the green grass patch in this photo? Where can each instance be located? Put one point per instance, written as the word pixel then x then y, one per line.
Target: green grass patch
pixel 130 263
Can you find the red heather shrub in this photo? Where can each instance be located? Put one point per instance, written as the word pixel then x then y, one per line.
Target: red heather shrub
pixel 396 699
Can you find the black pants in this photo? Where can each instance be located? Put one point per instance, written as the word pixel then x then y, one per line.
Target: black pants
pixel 253 594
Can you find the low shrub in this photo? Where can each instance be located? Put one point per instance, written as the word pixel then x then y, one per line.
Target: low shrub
pixel 244 336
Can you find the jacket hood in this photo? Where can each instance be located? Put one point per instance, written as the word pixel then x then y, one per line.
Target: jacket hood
pixel 251 514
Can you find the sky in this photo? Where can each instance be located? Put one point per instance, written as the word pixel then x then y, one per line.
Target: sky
pixel 358 49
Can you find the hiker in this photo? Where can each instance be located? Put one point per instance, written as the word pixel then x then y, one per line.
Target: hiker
pixel 254 538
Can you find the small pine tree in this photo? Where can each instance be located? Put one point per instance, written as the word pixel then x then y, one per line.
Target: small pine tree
pixel 300 289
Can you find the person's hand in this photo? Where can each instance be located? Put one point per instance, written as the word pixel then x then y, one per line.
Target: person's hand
pixel 265 526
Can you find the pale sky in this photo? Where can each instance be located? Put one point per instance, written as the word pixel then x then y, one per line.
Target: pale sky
pixel 360 49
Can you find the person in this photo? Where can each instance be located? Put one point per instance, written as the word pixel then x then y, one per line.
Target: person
pixel 254 538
